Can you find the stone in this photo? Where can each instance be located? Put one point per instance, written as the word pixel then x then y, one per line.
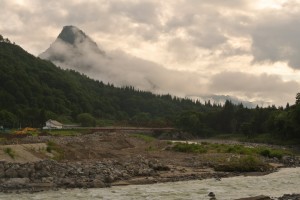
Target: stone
pixel 98 183
pixel 11 173
pixel 211 194
pixel 23 172
pixel 2 172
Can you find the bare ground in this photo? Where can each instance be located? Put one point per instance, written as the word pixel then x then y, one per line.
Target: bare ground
pixel 119 147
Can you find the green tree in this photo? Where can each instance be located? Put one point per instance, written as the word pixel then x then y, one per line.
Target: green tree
pixel 86 120
pixel 191 122
pixel 226 118
pixel 8 119
pixel 298 99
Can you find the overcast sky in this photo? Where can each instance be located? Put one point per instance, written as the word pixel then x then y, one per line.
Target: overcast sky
pixel 248 49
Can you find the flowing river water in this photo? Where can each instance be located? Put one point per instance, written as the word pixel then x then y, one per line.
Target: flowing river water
pixel 285 181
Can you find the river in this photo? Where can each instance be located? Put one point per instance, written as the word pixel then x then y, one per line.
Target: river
pixel 285 181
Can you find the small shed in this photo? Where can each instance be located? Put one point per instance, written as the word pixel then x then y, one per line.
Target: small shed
pixel 53 124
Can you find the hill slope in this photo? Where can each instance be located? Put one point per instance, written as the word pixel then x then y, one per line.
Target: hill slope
pixel 33 90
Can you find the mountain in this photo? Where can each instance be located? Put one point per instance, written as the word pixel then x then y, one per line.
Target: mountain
pixel 70 44
pixel 73 49
pixel 33 90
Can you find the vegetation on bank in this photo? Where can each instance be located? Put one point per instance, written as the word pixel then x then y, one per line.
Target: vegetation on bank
pixel 9 151
pixel 233 158
pixel 145 138
pixel 232 149
pixel 243 164
pixel 55 149
pixel 34 90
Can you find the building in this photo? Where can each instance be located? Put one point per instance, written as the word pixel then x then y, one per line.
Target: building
pixel 52 124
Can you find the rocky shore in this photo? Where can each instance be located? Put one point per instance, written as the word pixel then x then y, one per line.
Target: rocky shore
pixel 104 160
pixel 284 197
pixel 49 174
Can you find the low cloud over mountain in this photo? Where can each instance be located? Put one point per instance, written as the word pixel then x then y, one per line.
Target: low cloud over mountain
pixel 73 49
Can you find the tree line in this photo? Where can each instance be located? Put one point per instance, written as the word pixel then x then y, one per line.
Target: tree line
pixel 236 119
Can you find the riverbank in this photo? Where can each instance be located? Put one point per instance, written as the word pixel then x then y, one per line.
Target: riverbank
pixel 107 159
pixel 274 185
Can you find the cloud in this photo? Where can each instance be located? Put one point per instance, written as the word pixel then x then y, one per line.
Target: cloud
pixel 138 11
pixel 205 37
pixel 275 36
pixel 255 87
pixel 121 69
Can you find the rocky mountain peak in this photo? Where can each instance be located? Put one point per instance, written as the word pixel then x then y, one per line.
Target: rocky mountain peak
pixel 71 43
pixel 72 35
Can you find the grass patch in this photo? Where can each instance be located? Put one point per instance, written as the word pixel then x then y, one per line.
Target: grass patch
pixel 243 164
pixel 71 132
pixel 9 151
pixel 239 149
pixel 189 148
pixel 151 148
pixel 143 137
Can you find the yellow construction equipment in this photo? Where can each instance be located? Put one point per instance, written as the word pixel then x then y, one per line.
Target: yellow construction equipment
pixel 25 130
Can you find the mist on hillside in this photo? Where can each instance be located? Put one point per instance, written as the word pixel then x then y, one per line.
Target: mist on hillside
pixel 121 69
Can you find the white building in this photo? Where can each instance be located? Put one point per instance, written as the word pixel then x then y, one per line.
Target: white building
pixel 52 124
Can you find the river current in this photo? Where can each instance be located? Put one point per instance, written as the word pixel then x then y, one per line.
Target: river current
pixel 285 181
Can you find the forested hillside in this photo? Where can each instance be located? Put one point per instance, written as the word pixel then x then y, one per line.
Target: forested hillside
pixel 34 90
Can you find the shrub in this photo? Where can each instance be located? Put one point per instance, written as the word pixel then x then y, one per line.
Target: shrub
pixel 10 152
pixel 146 138
pixel 273 153
pixel 238 149
pixel 52 147
pixel 244 164
pixel 265 152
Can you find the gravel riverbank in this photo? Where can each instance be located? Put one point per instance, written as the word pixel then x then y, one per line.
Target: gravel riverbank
pixel 104 160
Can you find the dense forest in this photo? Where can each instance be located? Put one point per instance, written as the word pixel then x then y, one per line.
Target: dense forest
pixel 33 90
